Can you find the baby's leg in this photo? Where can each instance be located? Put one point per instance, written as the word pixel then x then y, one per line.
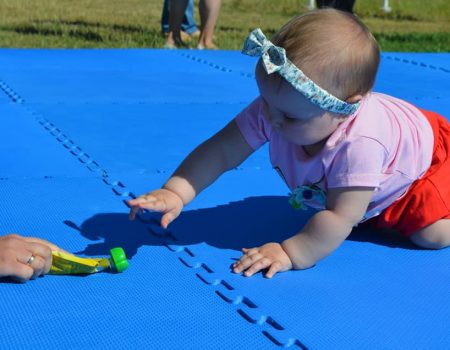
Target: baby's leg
pixel 434 236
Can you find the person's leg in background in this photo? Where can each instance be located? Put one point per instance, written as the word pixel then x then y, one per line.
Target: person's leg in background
pixel 343 5
pixel 188 26
pixel 177 10
pixel 209 13
pixel 165 17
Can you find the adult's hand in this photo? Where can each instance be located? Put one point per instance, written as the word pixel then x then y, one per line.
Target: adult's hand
pixel 24 258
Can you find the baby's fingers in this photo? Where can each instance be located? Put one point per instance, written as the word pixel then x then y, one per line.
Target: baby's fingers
pixel 135 206
pixel 168 218
pixel 133 212
pixel 154 204
pixel 149 202
pixel 274 268
pixel 141 200
pixel 259 265
pixel 246 261
pixel 250 251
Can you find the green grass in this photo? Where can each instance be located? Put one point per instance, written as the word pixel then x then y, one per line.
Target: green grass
pixel 418 42
pixel 413 25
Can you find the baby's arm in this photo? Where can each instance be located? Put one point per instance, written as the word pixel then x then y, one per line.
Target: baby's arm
pixel 223 151
pixel 323 234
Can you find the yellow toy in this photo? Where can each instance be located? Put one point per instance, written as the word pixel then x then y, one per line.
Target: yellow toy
pixel 68 264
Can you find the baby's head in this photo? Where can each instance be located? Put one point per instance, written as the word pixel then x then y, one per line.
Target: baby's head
pixel 334 49
pixel 312 74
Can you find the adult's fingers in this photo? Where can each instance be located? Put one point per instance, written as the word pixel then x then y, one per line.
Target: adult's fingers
pixel 40 266
pixel 36 263
pixel 26 257
pixel 42 257
pixel 20 272
pixel 39 249
pixel 52 246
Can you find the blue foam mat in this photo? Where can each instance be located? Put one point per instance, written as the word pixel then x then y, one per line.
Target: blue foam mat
pixel 143 307
pixel 117 126
pixel 29 150
pixel 122 76
pixel 130 148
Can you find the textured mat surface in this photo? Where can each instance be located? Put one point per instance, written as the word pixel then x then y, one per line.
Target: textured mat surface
pixel 84 130
pixel 157 303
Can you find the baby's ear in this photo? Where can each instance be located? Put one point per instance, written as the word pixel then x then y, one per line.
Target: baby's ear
pixel 354 99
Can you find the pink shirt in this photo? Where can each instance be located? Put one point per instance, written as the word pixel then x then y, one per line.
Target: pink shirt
pixel 386 144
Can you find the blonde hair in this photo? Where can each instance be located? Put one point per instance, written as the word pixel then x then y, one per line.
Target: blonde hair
pixel 333 48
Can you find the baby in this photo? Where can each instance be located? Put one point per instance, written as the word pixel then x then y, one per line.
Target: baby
pixel 351 153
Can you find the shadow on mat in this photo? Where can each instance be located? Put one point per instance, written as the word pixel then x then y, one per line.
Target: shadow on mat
pixel 247 223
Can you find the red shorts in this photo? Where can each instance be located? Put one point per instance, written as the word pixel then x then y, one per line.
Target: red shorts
pixel 428 199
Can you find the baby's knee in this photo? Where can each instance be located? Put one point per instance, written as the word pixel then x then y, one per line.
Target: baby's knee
pixel 435 236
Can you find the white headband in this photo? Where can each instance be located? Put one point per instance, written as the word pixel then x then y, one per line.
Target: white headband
pixel 274 60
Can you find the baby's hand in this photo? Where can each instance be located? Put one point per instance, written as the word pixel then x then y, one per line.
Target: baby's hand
pixel 163 201
pixel 270 256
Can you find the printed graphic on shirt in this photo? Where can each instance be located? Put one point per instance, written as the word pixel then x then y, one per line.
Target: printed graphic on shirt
pixel 308 196
pixel 305 196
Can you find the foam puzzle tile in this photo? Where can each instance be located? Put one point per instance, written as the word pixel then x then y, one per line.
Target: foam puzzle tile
pixel 440 61
pixel 404 79
pixel 140 138
pixel 227 61
pixel 437 104
pixel 28 150
pixel 118 76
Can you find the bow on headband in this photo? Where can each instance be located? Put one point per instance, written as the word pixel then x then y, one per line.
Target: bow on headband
pixel 274 60
pixel 273 57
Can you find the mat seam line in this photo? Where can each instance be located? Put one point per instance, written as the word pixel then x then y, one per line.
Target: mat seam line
pixel 416 63
pixel 215 65
pixel 248 75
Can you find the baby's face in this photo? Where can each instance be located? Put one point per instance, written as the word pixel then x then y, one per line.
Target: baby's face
pixel 291 114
